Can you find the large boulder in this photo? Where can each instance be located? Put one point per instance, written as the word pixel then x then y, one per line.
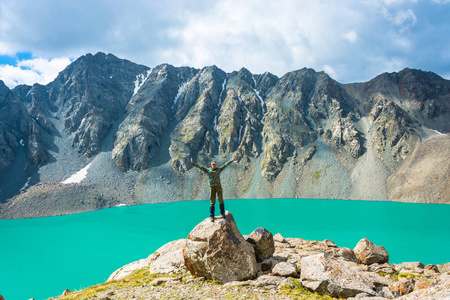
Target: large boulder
pixel 369 253
pixel 337 278
pixel 262 240
pixel 218 251
pixel 168 259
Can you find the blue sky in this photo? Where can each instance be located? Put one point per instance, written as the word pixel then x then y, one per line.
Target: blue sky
pixel 351 40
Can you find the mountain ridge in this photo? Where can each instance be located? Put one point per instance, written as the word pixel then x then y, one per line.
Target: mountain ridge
pixel 300 135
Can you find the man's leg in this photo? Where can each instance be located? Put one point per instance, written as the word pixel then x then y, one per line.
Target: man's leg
pixel 212 203
pixel 222 204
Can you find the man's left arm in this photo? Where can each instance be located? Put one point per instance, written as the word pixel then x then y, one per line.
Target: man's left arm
pixel 227 164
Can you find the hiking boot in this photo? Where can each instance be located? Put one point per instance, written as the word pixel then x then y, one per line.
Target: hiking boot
pixel 211 213
pixel 222 210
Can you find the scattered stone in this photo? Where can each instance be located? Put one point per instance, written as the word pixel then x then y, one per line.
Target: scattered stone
pixel 384 268
pixel 324 275
pixel 269 281
pixel 268 264
pixel 285 269
pixel 369 253
pixel 262 241
pixel 432 267
pixel 218 251
pixel 344 254
pixel 329 243
pixel 160 281
pixel 279 238
pixel 402 287
pixel 444 267
pixel 420 285
pixel 237 283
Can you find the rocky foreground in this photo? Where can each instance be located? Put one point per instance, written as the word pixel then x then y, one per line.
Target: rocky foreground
pixel 217 262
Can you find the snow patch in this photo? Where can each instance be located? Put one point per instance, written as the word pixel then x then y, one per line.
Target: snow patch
pixel 140 79
pixel 257 95
pixel 78 176
pixel 440 133
pixel 30 92
pixel 180 91
pixel 21 143
pixel 25 185
pixel 220 102
pixel 120 205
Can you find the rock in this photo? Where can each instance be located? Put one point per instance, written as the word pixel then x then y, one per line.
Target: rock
pixel 384 268
pixel 1 297
pixel 432 267
pixel 160 281
pixel 420 285
pixel 128 269
pixel 268 264
pixel 444 278
pixel 324 275
pixel 435 293
pixel 344 254
pixel 369 253
pixel 168 259
pixel 329 243
pixel 285 269
pixel 65 293
pixel 262 241
pixel 218 251
pixel 269 282
pixel 279 238
pixel 444 267
pixel 402 287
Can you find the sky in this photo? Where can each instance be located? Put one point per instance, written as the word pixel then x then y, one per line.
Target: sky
pixel 351 40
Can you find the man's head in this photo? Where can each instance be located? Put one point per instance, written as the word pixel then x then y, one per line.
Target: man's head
pixel 213 164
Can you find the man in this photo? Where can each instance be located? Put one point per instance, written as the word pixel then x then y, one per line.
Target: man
pixel 215 185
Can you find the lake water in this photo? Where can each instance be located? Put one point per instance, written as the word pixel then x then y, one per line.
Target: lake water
pixel 41 257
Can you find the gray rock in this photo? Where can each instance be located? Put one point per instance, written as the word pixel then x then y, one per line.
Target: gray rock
pixel 345 254
pixel 285 269
pixel 168 259
pixel 444 267
pixel 268 264
pixel 432 268
pixel 262 240
pixel 218 251
pixel 324 275
pixel 65 293
pixel 269 281
pixel 369 253
pixel 279 238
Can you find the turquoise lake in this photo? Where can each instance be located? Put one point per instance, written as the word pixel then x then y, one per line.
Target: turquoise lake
pixel 39 258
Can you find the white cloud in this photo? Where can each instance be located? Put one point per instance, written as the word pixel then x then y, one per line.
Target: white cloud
pixel 351 36
pixel 330 71
pixel 36 70
pixel 402 18
pixel 359 39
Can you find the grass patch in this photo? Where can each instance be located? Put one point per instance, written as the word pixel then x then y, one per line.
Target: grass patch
pixel 299 292
pixel 137 278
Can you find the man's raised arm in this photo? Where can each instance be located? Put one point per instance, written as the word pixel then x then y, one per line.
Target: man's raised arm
pixel 227 164
pixel 198 166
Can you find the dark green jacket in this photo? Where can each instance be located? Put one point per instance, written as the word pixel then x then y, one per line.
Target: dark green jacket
pixel 213 175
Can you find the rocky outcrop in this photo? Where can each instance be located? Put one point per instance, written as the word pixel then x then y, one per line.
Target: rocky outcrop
pixel 218 251
pixel 368 253
pixel 213 251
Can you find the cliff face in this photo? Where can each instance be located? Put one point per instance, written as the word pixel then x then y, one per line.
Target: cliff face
pixel 301 135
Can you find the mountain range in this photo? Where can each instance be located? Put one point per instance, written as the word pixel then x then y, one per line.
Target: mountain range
pixel 109 132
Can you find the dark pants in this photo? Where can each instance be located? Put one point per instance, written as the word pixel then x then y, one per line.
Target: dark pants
pixel 216 190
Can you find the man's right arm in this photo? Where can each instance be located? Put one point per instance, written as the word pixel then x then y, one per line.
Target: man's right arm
pixel 199 167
